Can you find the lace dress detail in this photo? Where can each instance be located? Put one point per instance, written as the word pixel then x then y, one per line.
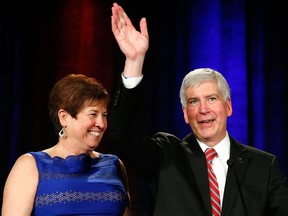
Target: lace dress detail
pixel 79 185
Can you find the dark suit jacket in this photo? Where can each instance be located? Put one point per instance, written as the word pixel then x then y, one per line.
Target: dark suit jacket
pixel 176 168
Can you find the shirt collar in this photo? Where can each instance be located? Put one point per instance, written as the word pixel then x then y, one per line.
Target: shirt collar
pixel 222 148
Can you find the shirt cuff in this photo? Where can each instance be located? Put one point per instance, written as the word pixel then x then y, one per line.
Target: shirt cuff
pixel 131 82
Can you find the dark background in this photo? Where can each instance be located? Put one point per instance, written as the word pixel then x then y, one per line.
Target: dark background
pixel 41 41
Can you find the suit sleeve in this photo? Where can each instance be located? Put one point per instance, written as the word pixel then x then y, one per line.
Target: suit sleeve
pixel 278 190
pixel 127 128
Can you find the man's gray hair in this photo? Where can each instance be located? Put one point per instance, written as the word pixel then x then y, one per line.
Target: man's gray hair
pixel 200 75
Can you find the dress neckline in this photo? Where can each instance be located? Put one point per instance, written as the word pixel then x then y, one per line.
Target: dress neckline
pixel 71 157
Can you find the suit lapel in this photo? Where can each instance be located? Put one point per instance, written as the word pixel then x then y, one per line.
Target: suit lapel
pixel 198 166
pixel 236 173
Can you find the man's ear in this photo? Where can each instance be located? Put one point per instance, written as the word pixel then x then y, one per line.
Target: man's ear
pixel 185 115
pixel 229 107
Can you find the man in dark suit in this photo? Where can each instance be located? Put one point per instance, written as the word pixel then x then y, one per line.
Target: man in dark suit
pixel 248 180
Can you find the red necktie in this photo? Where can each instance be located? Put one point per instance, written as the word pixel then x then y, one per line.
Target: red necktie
pixel 214 191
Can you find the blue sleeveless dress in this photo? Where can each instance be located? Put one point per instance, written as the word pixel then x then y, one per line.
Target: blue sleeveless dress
pixel 79 185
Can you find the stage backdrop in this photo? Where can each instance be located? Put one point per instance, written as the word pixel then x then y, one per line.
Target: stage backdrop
pixel 41 41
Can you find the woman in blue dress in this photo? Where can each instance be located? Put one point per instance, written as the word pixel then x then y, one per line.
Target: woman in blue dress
pixel 70 178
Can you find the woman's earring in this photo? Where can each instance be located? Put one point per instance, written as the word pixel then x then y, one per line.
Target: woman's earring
pixel 62 133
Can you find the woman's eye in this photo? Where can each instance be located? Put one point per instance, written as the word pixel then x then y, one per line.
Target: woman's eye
pixel 93 115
